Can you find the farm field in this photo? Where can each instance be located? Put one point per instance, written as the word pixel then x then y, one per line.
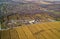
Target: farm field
pixel 13 13
pixel 29 19
pixel 47 30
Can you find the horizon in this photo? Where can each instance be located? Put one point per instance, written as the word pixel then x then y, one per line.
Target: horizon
pixel 36 0
pixel 43 0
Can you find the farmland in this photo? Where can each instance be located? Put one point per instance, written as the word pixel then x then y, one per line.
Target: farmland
pixel 29 20
pixel 47 30
pixel 22 13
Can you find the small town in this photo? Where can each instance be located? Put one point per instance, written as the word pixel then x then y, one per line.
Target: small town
pixel 29 19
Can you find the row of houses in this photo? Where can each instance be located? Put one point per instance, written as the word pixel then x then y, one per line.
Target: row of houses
pixel 13 23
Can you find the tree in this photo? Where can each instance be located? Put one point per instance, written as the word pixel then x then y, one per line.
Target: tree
pixel 2 15
pixel 1 18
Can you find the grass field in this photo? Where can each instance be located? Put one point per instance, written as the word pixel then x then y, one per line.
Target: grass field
pixel 48 30
pixel 55 12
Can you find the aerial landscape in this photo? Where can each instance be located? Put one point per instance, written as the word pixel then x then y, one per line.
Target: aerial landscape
pixel 30 19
